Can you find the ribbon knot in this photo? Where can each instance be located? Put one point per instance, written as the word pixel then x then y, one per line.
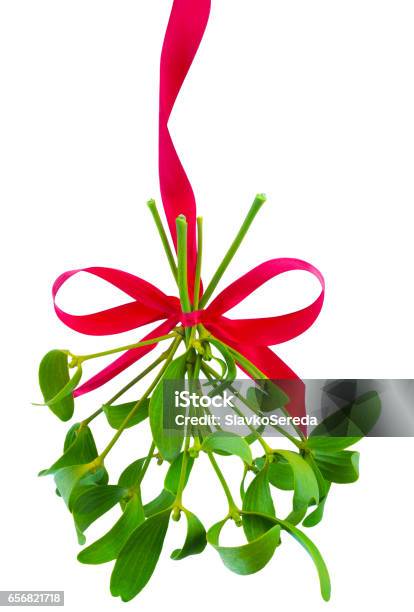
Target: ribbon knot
pixel 189 319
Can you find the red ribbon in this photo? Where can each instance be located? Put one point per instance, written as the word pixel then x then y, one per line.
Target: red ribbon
pixel 249 337
pixel 183 36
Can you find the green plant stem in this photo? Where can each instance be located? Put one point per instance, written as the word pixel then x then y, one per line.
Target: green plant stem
pixel 163 235
pixel 197 367
pixel 182 274
pixel 133 382
pixel 139 377
pixel 148 392
pixel 90 418
pixel 120 349
pixel 179 497
pixel 255 373
pixel 234 511
pixel 199 389
pixel 259 200
pixel 146 464
pixel 192 375
pixel 197 280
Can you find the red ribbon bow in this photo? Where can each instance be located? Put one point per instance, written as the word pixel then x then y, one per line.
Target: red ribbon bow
pixel 249 337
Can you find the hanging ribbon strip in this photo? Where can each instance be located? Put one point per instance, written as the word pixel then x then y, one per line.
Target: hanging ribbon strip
pixel 249 337
pixel 183 36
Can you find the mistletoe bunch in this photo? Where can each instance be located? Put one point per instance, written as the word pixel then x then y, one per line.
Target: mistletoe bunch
pixel 193 355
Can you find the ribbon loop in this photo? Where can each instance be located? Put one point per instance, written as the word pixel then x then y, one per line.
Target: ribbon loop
pixel 150 304
pixel 264 331
pixel 241 288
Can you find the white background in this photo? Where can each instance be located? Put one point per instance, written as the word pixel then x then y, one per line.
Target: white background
pixel 308 101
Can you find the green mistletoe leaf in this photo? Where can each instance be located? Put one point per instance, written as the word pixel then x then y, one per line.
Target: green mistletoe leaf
pixel 248 558
pixel 280 473
pixel 195 541
pixel 67 390
pixel 306 490
pixel 222 364
pixel 267 396
pixel 224 441
pixel 68 479
pixel 130 479
pixel 231 368
pixel 168 442
pixel 116 414
pixel 309 546
pixel 172 477
pixel 163 501
pixel 252 437
pixel 341 467
pixel 130 475
pixel 322 443
pixel 56 384
pixel 92 503
pixel 108 547
pixel 257 499
pixel 72 434
pixel 316 516
pixel 139 556
pixel 355 419
pixel 79 448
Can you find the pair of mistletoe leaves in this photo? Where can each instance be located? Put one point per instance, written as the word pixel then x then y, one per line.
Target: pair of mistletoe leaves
pixel 136 539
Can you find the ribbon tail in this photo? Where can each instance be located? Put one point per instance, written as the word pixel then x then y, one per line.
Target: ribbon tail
pixel 183 36
pixel 125 360
pixel 272 366
pixel 277 370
